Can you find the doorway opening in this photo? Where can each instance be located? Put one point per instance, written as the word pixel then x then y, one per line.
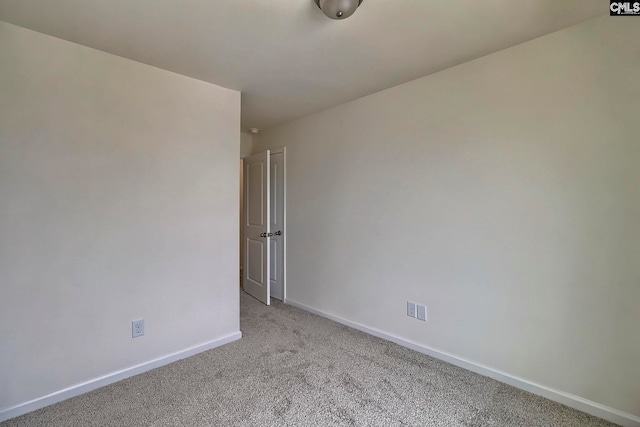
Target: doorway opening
pixel 264 225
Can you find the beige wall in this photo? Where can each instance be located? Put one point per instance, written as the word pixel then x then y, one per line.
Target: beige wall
pixel 503 193
pixel 119 190
pixel 246 145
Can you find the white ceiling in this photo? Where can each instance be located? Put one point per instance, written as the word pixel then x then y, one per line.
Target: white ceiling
pixel 286 57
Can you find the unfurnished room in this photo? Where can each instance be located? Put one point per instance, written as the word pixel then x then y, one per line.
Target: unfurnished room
pixel 319 213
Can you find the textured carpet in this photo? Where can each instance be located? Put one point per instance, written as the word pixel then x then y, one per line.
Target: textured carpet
pixel 294 368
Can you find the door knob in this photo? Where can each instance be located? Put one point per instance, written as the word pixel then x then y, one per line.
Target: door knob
pixel 263 234
pixel 278 233
pixel 269 234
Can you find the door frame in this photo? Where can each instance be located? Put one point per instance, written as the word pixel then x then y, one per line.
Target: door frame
pixel 283 150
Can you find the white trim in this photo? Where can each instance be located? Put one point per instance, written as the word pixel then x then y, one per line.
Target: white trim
pixel 87 386
pixel 613 415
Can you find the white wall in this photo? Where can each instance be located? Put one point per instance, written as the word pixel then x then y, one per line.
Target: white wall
pixel 119 190
pixel 504 193
pixel 246 144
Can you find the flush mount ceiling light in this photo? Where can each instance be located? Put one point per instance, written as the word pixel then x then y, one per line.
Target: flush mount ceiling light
pixel 338 9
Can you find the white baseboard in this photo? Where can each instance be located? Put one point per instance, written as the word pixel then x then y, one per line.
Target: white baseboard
pixel 87 386
pixel 606 413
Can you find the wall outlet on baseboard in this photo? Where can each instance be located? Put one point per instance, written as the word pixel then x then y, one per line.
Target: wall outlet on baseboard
pixel 421 312
pixel 137 328
pixel 411 309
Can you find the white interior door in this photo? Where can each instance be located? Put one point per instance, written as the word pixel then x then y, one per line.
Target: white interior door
pixel 256 232
pixel 277 240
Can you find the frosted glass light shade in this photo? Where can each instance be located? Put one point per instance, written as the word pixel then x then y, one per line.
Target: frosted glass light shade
pixel 338 9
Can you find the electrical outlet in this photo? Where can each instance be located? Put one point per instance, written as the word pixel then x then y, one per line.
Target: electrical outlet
pixel 422 312
pixel 137 328
pixel 411 309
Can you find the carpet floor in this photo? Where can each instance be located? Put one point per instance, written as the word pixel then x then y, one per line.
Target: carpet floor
pixel 292 368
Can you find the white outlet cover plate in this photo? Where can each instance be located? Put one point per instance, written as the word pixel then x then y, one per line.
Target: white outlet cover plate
pixel 411 309
pixel 137 328
pixel 422 312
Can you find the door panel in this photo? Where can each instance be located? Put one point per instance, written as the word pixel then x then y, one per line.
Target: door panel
pixel 256 268
pixel 257 216
pixel 255 194
pixel 274 259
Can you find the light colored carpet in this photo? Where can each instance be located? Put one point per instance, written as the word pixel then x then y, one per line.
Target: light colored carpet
pixel 294 368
